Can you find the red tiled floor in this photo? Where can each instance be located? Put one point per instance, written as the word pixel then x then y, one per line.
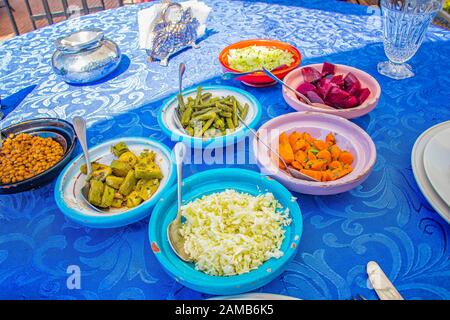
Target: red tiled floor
pixel 23 21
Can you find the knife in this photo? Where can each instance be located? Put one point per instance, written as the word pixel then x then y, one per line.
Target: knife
pixel 381 284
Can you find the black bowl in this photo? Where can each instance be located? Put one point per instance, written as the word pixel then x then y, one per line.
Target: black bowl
pixel 58 129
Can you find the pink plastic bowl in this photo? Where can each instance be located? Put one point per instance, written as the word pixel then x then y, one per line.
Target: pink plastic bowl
pixel 348 137
pixel 295 78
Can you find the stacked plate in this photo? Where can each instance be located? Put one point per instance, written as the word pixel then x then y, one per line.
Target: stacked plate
pixel 431 167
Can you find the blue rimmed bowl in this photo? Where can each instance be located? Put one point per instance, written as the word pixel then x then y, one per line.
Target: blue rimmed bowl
pixel 212 181
pixel 167 115
pixel 68 186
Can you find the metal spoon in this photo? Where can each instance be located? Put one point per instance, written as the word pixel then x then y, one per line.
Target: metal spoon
pixel 79 125
pixel 301 96
pixel 292 172
pixel 232 75
pixel 182 69
pixel 176 240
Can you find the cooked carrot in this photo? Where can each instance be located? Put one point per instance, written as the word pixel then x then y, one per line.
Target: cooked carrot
pixel 297 165
pixel 327 175
pixel 311 156
pixel 294 137
pixel 284 139
pixel 286 152
pixel 342 172
pixel 314 174
pixel 320 144
pixel 335 164
pixel 308 137
pixel 330 139
pixel 300 156
pixel 335 152
pixel 321 159
pixel 346 157
pixel 316 165
pixel 324 155
pixel 300 144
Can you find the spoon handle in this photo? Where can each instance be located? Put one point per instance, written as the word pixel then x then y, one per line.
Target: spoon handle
pixel 179 151
pixel 255 134
pixel 79 125
pixel 232 75
pixel 274 77
pixel 182 69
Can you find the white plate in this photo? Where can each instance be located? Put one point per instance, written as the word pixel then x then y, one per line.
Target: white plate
pixel 436 160
pixel 419 171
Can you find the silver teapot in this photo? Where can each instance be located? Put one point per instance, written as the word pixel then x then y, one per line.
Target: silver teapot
pixel 85 56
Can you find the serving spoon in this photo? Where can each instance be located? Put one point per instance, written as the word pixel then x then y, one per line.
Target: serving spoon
pixel 79 124
pixel 176 240
pixel 300 95
pixel 181 70
pixel 291 171
pixel 232 75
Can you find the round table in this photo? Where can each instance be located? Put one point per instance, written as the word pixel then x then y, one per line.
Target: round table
pixel 386 219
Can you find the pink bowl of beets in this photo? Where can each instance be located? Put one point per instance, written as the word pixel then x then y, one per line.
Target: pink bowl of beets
pixel 347 91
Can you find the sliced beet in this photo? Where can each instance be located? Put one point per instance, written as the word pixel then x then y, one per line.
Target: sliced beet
pixel 314 97
pixel 354 89
pixel 325 80
pixel 326 87
pixel 338 80
pixel 336 97
pixel 323 88
pixel 305 87
pixel 350 81
pixel 311 75
pixel 363 95
pixel 328 68
pixel 350 102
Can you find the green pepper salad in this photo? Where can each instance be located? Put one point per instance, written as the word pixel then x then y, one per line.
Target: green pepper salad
pixel 127 182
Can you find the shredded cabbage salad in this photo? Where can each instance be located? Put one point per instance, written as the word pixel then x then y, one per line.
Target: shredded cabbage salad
pixel 230 233
pixel 255 57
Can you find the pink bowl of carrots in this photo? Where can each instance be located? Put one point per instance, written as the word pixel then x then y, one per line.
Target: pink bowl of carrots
pixel 348 92
pixel 332 150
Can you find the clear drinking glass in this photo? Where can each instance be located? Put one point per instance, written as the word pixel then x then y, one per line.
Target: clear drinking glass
pixel 405 23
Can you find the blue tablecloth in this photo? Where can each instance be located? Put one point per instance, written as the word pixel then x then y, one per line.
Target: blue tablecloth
pixel 385 219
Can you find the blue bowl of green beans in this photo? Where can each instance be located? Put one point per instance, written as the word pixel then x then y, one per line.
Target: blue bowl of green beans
pixel 210 117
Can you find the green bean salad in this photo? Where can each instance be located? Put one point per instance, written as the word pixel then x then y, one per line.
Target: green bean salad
pixel 207 116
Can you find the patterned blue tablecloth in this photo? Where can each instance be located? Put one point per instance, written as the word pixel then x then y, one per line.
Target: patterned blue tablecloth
pixel 385 219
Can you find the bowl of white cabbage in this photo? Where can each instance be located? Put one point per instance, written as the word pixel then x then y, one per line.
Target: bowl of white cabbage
pixel 241 229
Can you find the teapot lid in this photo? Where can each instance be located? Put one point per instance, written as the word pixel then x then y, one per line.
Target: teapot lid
pixel 79 40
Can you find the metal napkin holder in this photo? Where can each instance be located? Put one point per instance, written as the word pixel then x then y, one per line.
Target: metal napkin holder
pixel 175 29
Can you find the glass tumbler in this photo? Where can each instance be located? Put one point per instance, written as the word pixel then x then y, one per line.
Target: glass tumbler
pixel 405 23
